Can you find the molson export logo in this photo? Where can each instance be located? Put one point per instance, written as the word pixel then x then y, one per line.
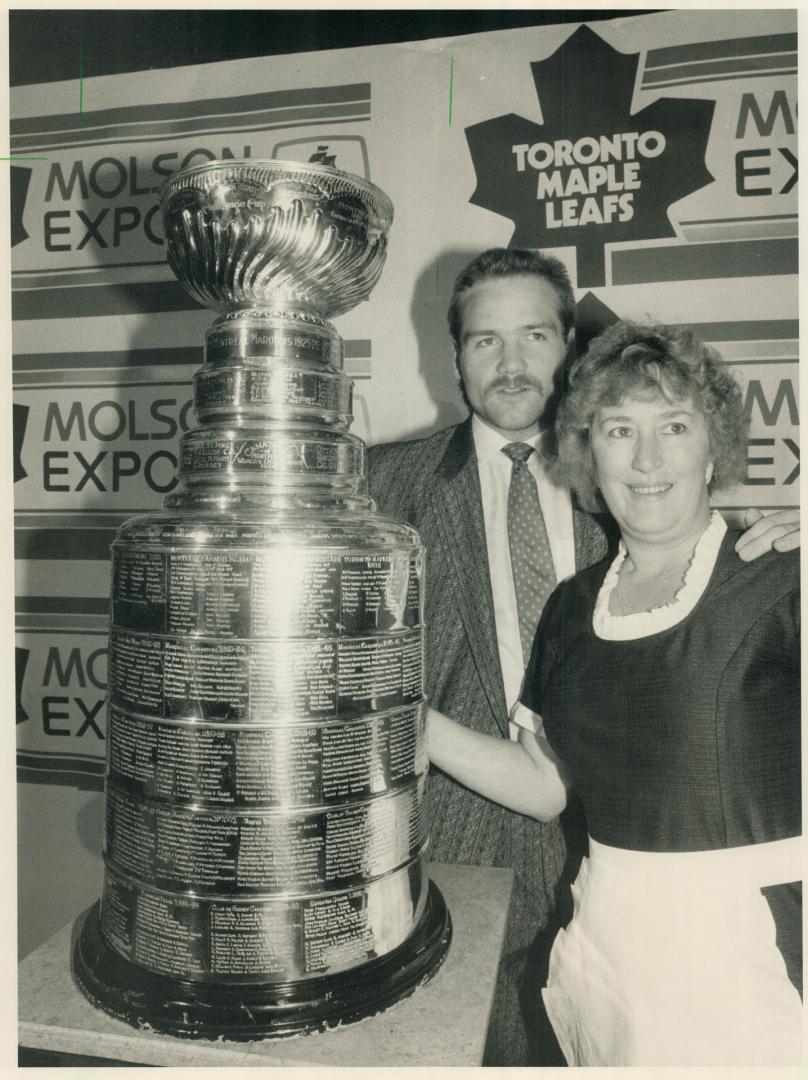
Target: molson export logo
pixel 100 447
pixel 593 172
pixel 61 693
pixel 108 202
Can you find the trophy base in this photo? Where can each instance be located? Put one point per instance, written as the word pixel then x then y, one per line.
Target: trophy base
pixel 251 1011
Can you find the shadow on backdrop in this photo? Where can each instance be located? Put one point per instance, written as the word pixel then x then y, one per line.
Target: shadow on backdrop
pixel 90 824
pixel 430 301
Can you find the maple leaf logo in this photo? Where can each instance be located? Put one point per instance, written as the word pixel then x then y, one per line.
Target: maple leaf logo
pixel 20 415
pixel 22 656
pixel 592 172
pixel 592 317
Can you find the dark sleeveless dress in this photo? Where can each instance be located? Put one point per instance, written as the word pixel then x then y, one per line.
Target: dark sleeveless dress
pixel 682 741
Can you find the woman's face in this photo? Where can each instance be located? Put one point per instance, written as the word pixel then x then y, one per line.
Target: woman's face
pixel 652 458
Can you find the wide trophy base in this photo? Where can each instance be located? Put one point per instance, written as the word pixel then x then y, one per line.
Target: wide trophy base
pixel 252 1011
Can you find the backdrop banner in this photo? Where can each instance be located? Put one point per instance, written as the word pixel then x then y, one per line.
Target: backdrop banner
pixel 655 155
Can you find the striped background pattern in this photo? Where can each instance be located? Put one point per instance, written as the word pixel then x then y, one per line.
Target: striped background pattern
pixel 720 247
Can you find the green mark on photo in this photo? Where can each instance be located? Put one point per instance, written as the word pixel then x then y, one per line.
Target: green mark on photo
pixel 81 75
pixel 451 86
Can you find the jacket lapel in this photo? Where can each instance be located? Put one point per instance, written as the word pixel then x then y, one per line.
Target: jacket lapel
pixel 457 506
pixel 593 536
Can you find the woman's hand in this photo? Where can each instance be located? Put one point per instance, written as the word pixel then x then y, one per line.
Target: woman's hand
pixel 524 776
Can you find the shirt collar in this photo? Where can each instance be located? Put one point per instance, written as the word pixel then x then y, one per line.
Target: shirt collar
pixel 488 443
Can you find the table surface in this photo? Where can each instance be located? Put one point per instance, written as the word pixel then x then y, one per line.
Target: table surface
pixel 442 1023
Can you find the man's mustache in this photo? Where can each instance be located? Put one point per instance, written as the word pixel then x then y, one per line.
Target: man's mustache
pixel 515 382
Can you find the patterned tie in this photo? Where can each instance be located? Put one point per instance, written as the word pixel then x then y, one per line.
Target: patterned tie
pixel 531 561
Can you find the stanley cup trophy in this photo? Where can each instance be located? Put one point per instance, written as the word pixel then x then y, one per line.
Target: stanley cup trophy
pixel 265 869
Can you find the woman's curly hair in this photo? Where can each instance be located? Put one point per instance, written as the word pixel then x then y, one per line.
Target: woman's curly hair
pixel 629 359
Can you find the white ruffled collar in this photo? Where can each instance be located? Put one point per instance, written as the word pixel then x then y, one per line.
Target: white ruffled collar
pixel 644 623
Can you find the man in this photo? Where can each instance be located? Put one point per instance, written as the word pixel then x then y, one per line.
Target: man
pixel 471 492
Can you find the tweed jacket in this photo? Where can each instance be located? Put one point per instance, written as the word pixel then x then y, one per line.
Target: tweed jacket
pixel 433 484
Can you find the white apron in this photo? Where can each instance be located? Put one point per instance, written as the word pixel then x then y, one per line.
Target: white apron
pixel 670 959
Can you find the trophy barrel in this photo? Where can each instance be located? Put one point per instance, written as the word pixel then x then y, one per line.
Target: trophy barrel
pixel 265 843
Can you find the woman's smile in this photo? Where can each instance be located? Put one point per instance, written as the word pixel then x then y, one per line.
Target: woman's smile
pixel 651 458
pixel 655 489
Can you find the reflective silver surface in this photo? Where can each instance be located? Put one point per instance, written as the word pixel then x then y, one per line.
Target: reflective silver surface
pixel 266 755
pixel 232 939
pixel 247 233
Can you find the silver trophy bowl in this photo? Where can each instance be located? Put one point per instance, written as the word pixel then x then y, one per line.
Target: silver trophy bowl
pixel 246 234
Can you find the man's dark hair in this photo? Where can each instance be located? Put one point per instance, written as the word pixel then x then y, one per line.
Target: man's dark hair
pixel 512 262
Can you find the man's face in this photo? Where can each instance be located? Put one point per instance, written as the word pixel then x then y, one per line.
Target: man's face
pixel 511 346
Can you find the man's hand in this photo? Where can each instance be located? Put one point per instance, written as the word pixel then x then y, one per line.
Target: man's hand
pixel 779 531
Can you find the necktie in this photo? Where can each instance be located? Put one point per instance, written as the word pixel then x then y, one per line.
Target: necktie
pixel 531 561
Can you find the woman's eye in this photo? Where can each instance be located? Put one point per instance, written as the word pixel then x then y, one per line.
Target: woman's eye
pixel 676 428
pixel 621 432
pixel 536 335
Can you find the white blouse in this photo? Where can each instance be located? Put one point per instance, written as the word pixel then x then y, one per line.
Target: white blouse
pixel 644 623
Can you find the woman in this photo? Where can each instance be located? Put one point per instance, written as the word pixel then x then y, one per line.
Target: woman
pixel 663 686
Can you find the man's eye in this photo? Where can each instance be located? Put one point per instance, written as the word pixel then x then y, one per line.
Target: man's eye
pixel 676 428
pixel 537 335
pixel 621 432
pixel 484 343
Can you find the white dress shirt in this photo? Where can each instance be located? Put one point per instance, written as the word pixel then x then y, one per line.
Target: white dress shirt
pixel 495 477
